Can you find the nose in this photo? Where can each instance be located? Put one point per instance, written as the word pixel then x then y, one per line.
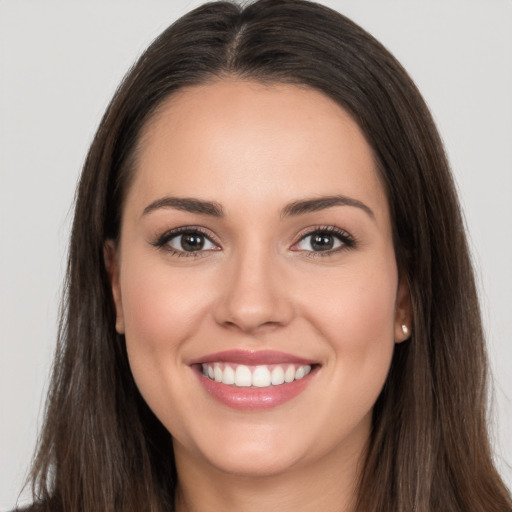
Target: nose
pixel 254 294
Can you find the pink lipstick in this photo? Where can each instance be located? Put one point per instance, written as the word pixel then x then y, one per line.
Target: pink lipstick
pixel 252 380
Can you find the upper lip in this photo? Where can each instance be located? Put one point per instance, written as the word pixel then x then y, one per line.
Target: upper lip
pixel 252 357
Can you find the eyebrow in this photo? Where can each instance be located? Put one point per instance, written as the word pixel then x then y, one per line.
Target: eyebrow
pixel 296 208
pixel 317 204
pixel 186 204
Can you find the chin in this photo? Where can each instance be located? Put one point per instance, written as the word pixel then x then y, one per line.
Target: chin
pixel 252 452
pixel 247 463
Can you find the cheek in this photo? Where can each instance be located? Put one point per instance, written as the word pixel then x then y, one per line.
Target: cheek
pixel 356 305
pixel 162 310
pixel 159 305
pixel 355 316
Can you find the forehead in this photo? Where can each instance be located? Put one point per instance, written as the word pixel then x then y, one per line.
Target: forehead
pixel 264 142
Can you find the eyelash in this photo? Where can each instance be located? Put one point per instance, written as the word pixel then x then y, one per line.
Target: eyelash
pixel 163 241
pixel 347 241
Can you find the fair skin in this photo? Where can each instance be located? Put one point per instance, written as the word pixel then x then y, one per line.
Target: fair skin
pixel 317 283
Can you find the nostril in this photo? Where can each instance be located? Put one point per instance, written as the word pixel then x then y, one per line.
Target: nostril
pixel 252 325
pixel 251 312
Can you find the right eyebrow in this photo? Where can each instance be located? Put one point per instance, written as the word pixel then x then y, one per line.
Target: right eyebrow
pixel 186 204
pixel 322 203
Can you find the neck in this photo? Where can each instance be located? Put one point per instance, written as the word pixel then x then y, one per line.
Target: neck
pixel 326 484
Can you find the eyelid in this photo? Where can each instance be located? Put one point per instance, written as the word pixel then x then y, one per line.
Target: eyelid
pixel 346 239
pixel 162 241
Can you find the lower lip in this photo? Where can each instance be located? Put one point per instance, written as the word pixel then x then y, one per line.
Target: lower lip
pixel 251 398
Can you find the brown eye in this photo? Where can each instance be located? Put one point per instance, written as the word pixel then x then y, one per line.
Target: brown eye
pixel 191 241
pixel 324 240
pixel 320 241
pixel 186 242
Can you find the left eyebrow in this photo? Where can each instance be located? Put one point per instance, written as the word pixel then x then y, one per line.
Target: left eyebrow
pixel 186 204
pixel 314 205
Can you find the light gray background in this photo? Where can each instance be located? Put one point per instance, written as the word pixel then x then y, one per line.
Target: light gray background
pixel 60 62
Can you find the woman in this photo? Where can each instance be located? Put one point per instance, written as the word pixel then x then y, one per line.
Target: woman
pixel 270 301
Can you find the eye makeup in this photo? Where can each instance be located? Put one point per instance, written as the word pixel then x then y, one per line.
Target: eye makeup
pixel 324 241
pixel 195 241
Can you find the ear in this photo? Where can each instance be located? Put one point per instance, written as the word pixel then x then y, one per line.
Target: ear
pixel 110 253
pixel 403 311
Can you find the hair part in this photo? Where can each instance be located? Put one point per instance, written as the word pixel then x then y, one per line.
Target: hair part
pixel 102 449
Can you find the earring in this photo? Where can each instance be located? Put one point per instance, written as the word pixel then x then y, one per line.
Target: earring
pixel 405 330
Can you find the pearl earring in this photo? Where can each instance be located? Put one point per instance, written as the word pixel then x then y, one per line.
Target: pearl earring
pixel 405 330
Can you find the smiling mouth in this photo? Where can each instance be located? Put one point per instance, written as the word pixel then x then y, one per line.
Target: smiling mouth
pixel 257 376
pixel 251 380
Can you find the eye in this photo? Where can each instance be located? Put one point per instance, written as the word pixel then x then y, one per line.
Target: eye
pixel 186 242
pixel 191 242
pixel 328 239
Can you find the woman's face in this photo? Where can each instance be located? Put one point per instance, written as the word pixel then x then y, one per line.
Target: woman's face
pixel 256 248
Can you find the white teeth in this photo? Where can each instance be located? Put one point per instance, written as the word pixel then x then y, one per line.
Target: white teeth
pixel 243 376
pixel 228 377
pixel 277 376
pixel 299 374
pixel 289 374
pixel 260 376
pixel 217 373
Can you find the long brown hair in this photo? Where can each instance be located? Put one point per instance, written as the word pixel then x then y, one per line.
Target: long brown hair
pixel 103 450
